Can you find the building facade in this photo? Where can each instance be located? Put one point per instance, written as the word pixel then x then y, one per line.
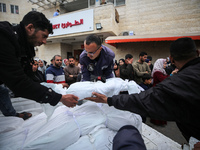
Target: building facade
pixel 126 26
pixel 14 10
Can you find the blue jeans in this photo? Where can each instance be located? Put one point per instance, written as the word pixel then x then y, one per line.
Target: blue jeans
pixel 5 102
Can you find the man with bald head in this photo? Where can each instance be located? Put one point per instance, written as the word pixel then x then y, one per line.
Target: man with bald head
pixel 97 60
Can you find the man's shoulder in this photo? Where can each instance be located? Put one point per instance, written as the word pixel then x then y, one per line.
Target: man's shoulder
pixel 83 56
pixel 136 63
pixel 108 51
pixel 145 64
pixel 5 26
pixel 123 66
pixel 50 69
pixel 54 70
pixel 76 67
pixel 39 72
pixel 6 29
pixel 70 68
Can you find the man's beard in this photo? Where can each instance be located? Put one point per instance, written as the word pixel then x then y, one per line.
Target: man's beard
pixel 71 65
pixel 58 65
pixel 32 40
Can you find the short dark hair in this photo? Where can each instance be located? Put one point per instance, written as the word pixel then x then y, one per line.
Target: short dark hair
pixel 142 54
pixel 183 49
pixel 39 21
pixel 122 60
pixel 149 57
pixel 35 61
pixel 93 39
pixel 55 56
pixel 128 56
pixel 146 77
pixel 71 57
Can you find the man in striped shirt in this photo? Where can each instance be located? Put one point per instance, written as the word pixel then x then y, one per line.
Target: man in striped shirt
pixel 55 73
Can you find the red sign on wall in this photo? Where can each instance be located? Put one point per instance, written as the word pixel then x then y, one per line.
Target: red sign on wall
pixel 68 24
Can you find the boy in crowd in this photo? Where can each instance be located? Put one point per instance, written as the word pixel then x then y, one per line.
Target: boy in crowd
pixel 146 84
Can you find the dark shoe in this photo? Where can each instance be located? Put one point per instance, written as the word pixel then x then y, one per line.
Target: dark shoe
pixel 24 115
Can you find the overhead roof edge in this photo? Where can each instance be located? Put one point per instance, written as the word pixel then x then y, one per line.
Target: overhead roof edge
pixel 146 38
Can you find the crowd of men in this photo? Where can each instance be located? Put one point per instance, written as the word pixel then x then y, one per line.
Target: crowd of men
pixel 175 98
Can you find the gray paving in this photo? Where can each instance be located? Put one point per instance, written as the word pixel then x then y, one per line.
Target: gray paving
pixel 170 130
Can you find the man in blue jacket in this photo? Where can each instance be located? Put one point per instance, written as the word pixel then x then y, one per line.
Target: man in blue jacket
pixel 96 60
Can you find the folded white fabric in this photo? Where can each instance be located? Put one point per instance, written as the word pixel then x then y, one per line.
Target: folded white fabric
pixel 15 139
pixel 10 123
pixel 100 138
pixel 113 86
pixel 118 118
pixel 64 128
pixel 60 127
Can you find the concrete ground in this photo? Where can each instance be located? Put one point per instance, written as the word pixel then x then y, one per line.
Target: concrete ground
pixel 170 130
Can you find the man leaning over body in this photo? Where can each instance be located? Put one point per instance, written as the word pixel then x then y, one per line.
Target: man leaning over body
pixel 17 48
pixel 96 60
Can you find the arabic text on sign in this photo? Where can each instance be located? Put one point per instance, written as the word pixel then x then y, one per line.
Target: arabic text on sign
pixel 68 24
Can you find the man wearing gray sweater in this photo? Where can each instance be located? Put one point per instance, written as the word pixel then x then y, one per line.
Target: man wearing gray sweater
pixel 141 67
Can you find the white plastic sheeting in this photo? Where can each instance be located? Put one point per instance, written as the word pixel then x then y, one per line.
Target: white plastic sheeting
pixel 65 127
pixel 89 126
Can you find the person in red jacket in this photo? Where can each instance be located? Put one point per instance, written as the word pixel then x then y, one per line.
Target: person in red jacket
pixel 159 74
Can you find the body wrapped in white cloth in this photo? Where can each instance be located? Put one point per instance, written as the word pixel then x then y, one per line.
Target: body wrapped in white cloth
pixel 66 128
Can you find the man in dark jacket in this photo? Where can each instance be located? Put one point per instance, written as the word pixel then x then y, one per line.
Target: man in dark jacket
pixel 17 52
pixel 126 70
pixel 37 76
pixel 96 60
pixel 177 98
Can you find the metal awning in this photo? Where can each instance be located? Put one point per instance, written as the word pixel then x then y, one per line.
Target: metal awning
pixel 45 4
pixel 112 40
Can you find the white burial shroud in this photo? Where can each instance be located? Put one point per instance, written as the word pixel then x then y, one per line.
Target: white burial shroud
pixel 91 124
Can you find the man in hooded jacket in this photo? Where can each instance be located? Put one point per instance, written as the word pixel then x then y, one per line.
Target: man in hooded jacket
pixel 17 52
pixel 177 98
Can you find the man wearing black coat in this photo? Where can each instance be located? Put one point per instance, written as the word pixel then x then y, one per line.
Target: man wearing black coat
pixel 17 52
pixel 126 70
pixel 177 98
